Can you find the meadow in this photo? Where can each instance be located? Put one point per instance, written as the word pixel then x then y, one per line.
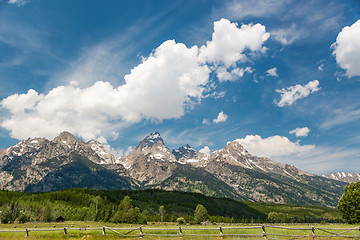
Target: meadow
pixel 94 230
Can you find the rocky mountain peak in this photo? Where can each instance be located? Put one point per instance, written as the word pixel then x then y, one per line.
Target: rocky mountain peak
pixel 65 138
pixel 184 152
pixel 99 149
pixel 24 146
pixel 236 145
pixel 153 139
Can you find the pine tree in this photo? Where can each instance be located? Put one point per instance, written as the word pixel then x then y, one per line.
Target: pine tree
pixel 47 214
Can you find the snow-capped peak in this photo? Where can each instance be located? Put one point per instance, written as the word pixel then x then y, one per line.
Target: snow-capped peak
pixel 150 140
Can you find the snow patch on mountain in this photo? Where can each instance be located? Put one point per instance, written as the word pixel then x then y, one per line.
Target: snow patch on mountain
pixel 343 176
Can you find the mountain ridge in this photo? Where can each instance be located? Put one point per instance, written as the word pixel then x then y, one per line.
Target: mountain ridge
pixel 33 165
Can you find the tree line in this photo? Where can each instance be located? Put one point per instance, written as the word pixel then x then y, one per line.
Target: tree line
pixel 142 206
pixel 110 206
pixel 124 213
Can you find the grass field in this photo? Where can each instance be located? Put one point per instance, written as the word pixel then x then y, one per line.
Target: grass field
pixel 56 231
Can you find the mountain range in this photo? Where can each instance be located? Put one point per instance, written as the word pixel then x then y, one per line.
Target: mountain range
pixel 39 164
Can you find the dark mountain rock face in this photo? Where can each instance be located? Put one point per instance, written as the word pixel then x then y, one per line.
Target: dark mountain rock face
pixel 184 152
pixel 66 162
pixel 80 172
pixel 152 140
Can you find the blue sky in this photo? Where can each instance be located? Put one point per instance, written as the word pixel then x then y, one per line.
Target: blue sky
pixel 283 76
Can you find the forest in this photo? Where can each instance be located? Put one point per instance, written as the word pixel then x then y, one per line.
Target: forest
pixel 151 205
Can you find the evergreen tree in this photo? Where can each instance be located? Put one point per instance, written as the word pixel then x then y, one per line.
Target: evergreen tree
pixel 108 214
pixel 144 216
pixel 121 213
pixel 132 215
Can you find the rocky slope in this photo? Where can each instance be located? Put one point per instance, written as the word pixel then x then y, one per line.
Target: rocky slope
pixel 66 162
pixel 343 176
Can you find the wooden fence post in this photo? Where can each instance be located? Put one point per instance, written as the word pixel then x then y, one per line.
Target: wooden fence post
pixel 141 232
pixel 313 231
pixel 65 230
pixel 103 231
pixel 264 231
pixel 27 232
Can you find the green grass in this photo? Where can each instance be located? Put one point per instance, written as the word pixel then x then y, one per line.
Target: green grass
pixel 169 228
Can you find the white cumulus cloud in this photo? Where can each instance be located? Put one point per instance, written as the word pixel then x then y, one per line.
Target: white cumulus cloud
pixel 347 49
pixel 157 89
pixel 291 94
pixel 164 85
pixel 273 146
pixel 229 42
pixel 222 117
pixel 300 132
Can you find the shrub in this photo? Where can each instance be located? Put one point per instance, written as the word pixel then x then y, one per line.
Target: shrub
pixel 180 220
pixel 201 214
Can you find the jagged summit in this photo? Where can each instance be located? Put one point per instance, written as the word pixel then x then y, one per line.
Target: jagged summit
pixel 66 139
pixel 99 149
pixel 65 135
pixel 185 152
pixel 153 139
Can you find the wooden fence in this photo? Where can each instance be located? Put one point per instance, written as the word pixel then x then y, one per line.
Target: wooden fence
pixel 264 231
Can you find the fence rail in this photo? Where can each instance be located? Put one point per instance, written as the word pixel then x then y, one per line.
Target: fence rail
pixel 314 232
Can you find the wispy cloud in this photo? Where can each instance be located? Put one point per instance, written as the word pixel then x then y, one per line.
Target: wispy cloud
pixel 324 159
pixel 21 36
pixel 239 9
pixel 339 117
pixel 313 18
pixel 287 35
pixel 18 2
